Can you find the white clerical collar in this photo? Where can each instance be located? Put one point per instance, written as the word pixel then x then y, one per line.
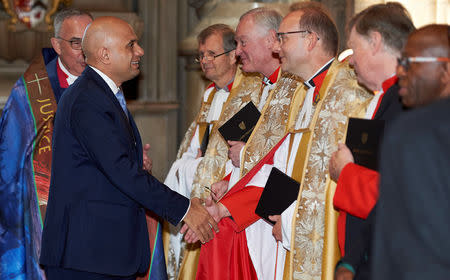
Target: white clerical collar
pixel 309 82
pixel 108 81
pixel 70 78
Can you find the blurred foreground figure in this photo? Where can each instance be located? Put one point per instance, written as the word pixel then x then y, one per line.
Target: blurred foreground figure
pixel 412 223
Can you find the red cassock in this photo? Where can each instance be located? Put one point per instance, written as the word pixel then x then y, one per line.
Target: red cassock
pixel 351 198
pixel 227 255
pixel 357 186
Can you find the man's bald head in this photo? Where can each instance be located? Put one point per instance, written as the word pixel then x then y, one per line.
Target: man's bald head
pixel 99 34
pixel 110 45
pixel 431 40
pixel 424 82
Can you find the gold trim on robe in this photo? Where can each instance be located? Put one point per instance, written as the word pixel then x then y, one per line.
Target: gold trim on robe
pixel 246 88
pixel 314 241
pixel 271 126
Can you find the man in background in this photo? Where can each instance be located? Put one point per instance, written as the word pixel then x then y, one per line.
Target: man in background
pixel 411 227
pixel 255 38
pixel 26 130
pixel 308 39
pixel 377 37
pixel 309 44
pixel 217 58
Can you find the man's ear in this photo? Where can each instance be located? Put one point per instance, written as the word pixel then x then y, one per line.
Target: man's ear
pixel 232 56
pixel 104 55
pixel 271 38
pixel 311 41
pixel 375 42
pixel 56 45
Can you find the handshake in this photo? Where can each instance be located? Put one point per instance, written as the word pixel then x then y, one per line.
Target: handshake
pixel 203 216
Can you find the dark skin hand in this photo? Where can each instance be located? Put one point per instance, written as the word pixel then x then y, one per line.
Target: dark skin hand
pixel 343 273
pixel 199 221
pixel 216 210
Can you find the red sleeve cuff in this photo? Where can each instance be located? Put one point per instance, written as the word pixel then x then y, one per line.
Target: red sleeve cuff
pixel 357 190
pixel 242 205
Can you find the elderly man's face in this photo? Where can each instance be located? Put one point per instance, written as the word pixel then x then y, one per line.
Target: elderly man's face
pixel 215 68
pixel 71 29
pixel 252 46
pixel 125 53
pixel 361 60
pixel 420 83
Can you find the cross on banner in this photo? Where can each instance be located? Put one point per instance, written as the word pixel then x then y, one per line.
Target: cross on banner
pixel 37 81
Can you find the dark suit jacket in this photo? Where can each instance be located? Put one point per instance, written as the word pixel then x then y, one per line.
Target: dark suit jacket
pixel 413 216
pixel 358 232
pixel 95 218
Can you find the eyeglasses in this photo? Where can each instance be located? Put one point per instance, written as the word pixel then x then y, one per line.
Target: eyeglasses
pixel 75 43
pixel 280 35
pixel 406 61
pixel 210 56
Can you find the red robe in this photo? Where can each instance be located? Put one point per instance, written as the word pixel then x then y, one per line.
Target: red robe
pixel 357 186
pixel 227 255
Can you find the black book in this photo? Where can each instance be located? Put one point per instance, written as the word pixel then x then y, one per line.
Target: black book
pixel 364 140
pixel 205 141
pixel 278 194
pixel 241 125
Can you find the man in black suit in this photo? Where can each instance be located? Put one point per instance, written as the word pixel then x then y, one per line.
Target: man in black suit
pixel 377 36
pixel 95 225
pixel 412 224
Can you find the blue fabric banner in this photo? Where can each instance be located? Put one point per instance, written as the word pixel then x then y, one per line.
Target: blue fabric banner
pixel 157 270
pixel 20 219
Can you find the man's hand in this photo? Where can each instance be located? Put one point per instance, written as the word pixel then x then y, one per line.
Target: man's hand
pixel 234 152
pixel 216 210
pixel 219 189
pixel 200 222
pixel 190 236
pixel 343 273
pixel 276 230
pixel 147 161
pixel 339 160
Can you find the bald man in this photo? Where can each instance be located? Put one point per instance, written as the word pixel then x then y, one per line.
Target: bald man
pixel 412 222
pixel 95 225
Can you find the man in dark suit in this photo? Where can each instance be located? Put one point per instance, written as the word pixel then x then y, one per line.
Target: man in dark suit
pixel 412 224
pixel 95 225
pixel 377 36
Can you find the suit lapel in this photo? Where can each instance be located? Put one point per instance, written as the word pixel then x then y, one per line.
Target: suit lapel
pixel 110 95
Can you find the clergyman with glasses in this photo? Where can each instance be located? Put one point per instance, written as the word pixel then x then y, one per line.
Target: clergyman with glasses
pixel 203 152
pixel 377 37
pixel 26 143
pixel 308 49
pixel 255 37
